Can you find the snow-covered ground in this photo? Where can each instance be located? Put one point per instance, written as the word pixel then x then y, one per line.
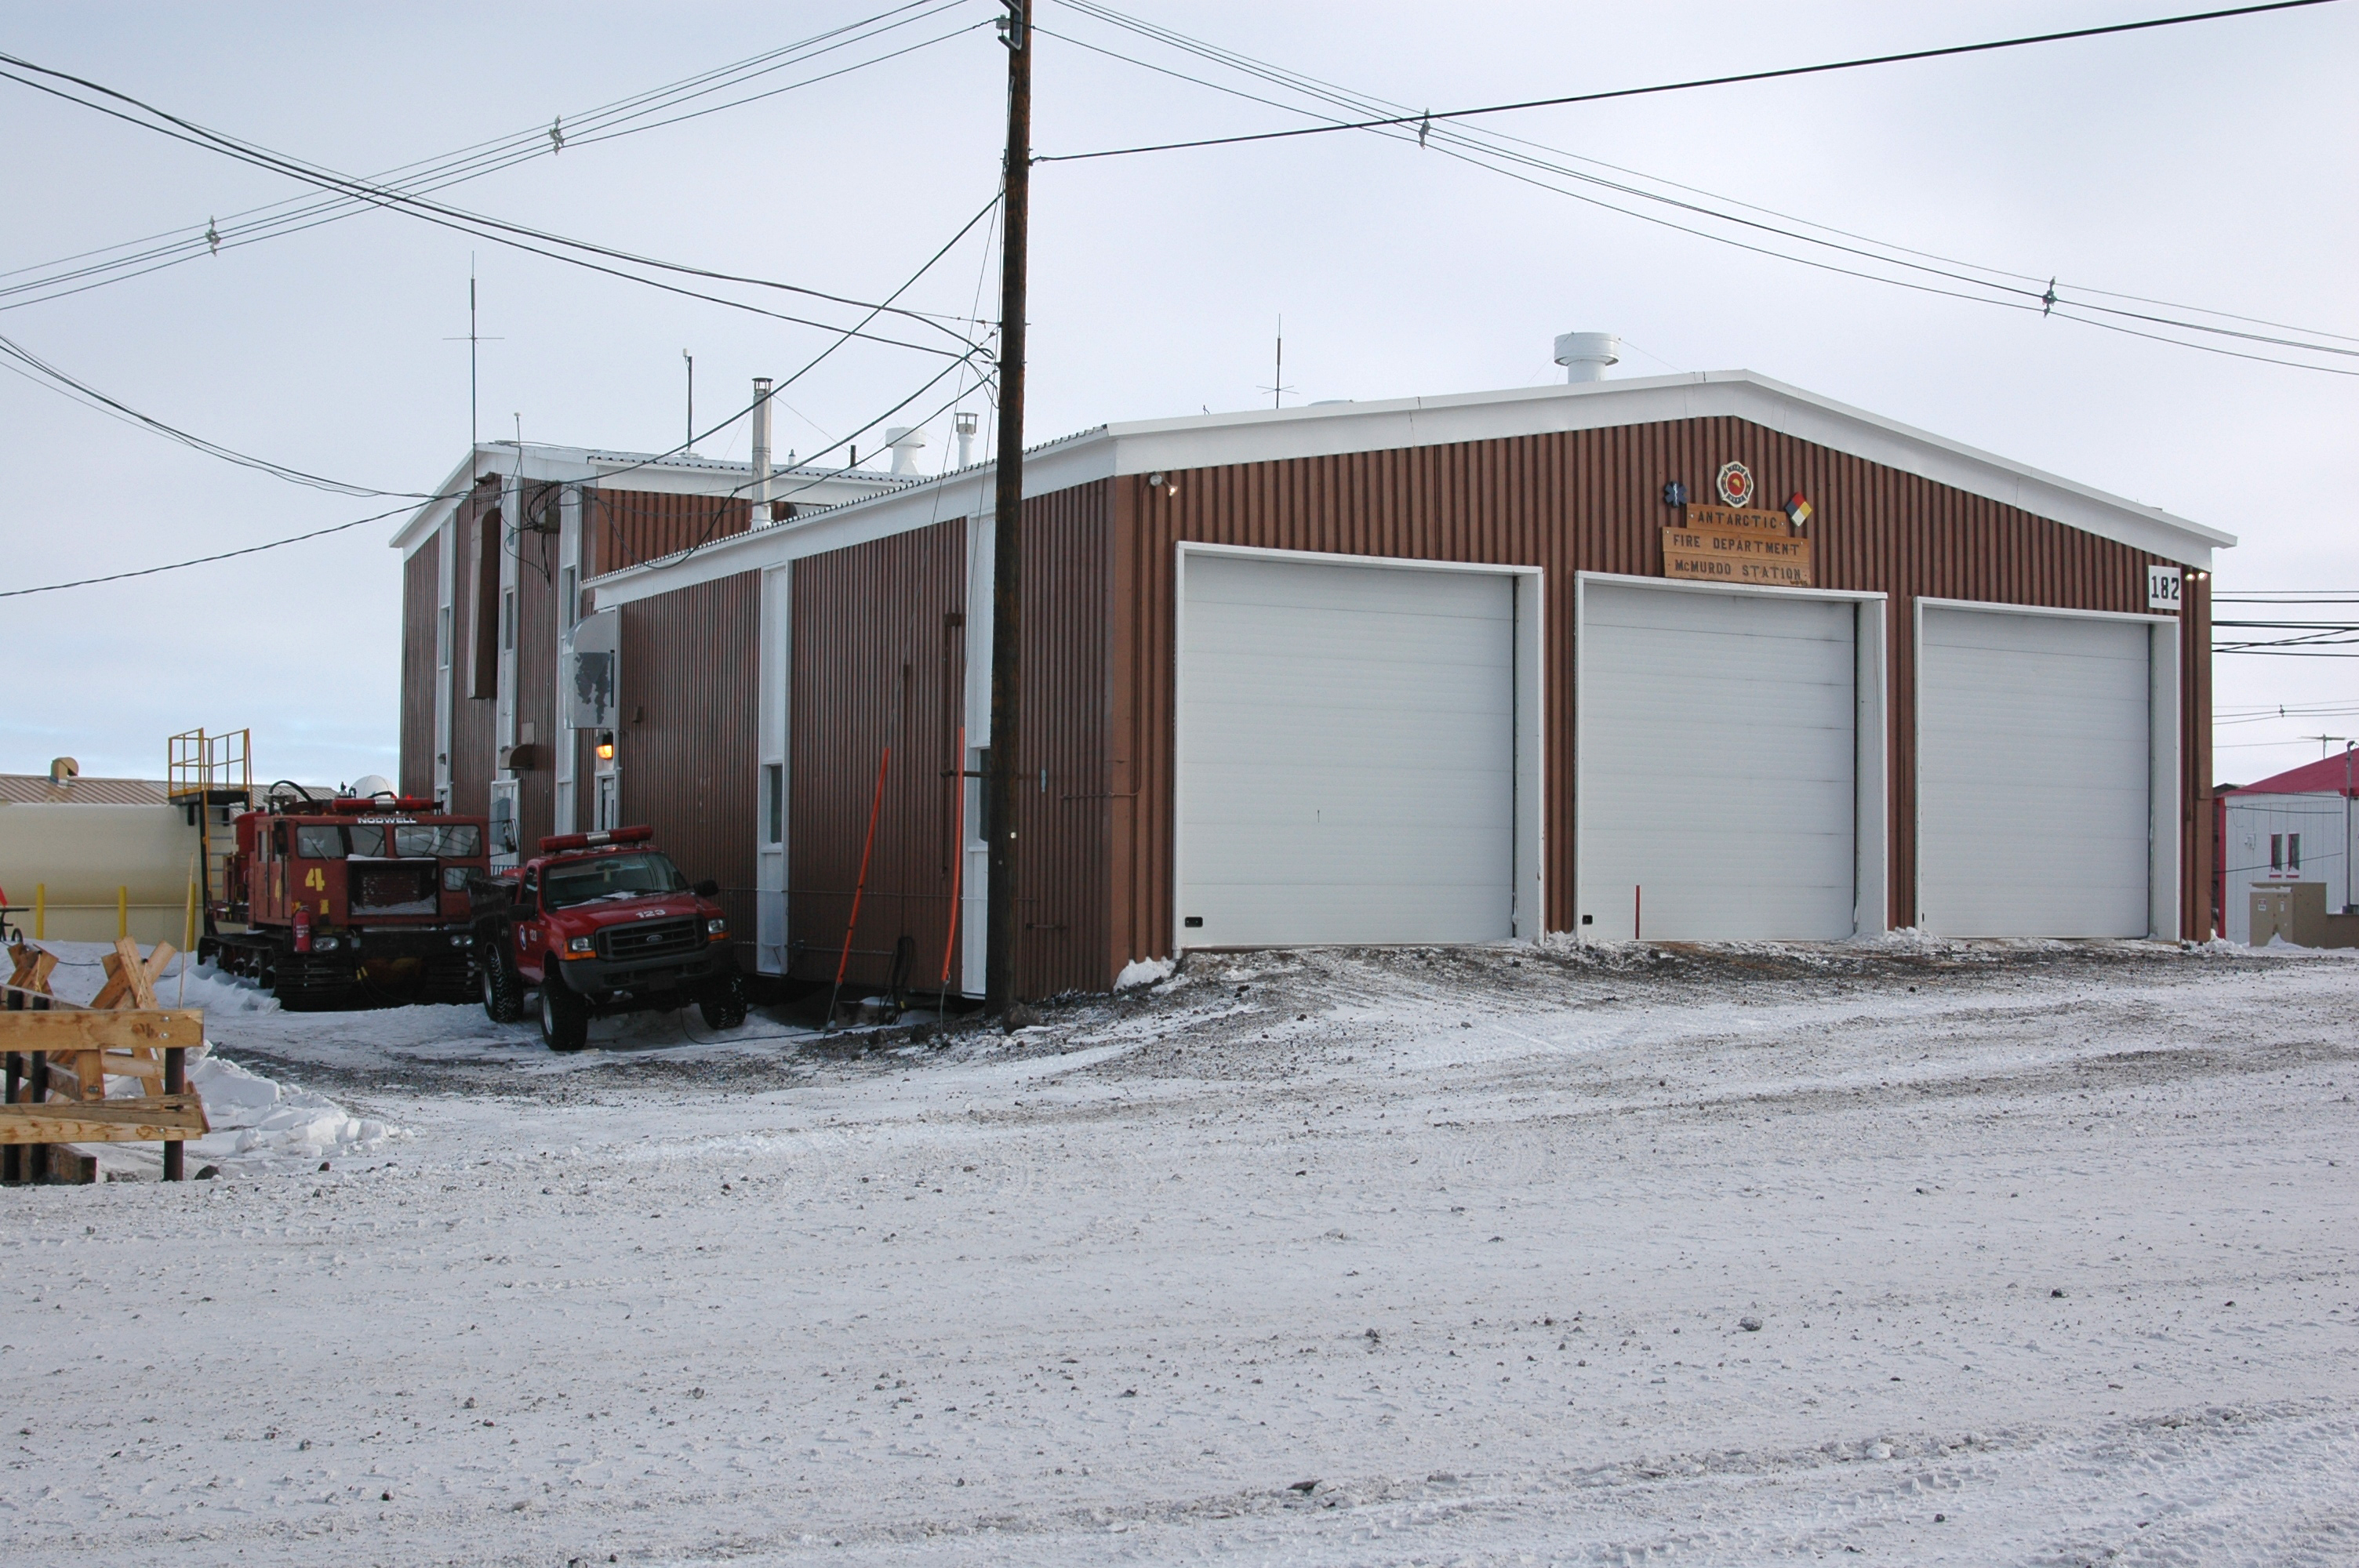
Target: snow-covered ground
pixel 1916 1254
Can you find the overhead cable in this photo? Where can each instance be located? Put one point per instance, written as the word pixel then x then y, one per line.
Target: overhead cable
pixel 1432 116
pixel 624 117
pixel 41 372
pixel 496 230
pixel 1480 147
pixel 844 336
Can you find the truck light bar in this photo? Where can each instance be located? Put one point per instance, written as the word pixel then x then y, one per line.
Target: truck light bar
pixel 350 803
pixel 552 845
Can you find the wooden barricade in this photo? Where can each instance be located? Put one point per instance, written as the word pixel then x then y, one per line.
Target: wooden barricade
pixel 58 1057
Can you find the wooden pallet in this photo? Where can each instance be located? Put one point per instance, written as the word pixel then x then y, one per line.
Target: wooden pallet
pixel 58 1057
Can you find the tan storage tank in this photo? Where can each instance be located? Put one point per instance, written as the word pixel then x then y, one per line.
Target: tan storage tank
pixel 80 854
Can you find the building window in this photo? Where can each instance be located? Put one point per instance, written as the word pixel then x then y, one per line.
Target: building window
pixel 773 803
pixel 442 639
pixel 2293 851
pixel 507 621
pixel 569 597
pixel 2276 851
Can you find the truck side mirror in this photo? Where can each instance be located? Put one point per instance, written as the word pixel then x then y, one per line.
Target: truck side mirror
pixel 708 888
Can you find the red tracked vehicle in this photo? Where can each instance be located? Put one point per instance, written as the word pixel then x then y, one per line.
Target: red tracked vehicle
pixel 349 901
pixel 600 924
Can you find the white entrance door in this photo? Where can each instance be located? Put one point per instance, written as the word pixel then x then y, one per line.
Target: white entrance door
pixel 505 847
pixel 2033 772
pixel 1346 754
pixel 1717 753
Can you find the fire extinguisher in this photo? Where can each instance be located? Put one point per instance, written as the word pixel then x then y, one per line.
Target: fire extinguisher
pixel 302 929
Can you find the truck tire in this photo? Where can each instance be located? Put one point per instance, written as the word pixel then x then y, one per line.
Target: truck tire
pixel 564 1017
pixel 724 1005
pixel 503 988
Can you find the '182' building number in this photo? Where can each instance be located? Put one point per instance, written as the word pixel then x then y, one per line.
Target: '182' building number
pixel 2162 588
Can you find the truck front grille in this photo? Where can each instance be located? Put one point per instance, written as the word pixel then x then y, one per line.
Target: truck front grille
pixel 650 939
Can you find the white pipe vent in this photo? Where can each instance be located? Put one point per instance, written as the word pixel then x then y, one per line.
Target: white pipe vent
pixel 1585 355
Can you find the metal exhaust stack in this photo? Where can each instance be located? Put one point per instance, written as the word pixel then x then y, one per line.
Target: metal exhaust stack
pixel 761 449
pixel 966 423
pixel 1585 355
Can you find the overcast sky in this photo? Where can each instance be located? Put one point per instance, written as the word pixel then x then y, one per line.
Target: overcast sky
pixel 2214 166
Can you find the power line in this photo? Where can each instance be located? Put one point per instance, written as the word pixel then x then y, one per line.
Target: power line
pixel 844 336
pixel 42 373
pixel 1431 116
pixel 1479 147
pixel 222 555
pixel 603 124
pixel 480 226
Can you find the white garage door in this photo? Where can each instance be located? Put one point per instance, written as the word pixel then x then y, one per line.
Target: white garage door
pixel 1717 757
pixel 2032 776
pixel 1347 751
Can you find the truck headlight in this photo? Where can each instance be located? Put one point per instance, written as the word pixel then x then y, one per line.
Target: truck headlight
pixel 580 944
pixel 716 928
pixel 323 943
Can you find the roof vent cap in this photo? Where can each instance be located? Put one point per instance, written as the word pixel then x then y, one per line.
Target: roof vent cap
pixel 1585 355
pixel 63 771
pixel 905 440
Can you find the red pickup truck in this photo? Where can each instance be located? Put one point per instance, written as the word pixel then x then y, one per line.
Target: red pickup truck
pixel 600 924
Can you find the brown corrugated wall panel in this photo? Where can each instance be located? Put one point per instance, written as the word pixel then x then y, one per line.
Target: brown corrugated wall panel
pixel 686 746
pixel 1067 795
pixel 628 526
pixel 536 694
pixel 1590 501
pixel 419 601
pixel 877 660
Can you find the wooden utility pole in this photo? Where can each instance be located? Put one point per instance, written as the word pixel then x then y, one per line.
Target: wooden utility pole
pixel 1007 529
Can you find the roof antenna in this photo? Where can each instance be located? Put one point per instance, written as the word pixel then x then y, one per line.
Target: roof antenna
pixel 1277 388
pixel 691 447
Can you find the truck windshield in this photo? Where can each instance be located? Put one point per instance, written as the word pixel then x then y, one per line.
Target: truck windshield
pixel 610 876
pixel 450 841
pixel 411 840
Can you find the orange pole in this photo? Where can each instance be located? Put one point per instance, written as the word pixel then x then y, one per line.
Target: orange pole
pixel 860 887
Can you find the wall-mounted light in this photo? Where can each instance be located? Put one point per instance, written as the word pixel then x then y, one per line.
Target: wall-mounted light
pixel 1163 482
pixel 606 746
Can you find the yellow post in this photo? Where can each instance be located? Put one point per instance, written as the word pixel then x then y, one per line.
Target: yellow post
pixel 188 942
pixel 122 912
pixel 40 910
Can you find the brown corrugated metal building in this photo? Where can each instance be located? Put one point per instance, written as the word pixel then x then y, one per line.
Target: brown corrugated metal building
pixel 1689 657
pixel 491 602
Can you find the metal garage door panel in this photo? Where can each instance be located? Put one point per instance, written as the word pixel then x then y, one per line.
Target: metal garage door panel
pixel 1347 742
pixel 2032 776
pixel 1717 765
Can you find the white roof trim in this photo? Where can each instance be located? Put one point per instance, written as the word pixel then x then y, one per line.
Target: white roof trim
pixel 1216 440
pixel 539 463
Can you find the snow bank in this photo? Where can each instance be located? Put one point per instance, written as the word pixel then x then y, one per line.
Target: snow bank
pixel 80 972
pixel 1143 972
pixel 258 1121
pixel 1899 939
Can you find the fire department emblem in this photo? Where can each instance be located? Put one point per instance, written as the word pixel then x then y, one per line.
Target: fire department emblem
pixel 1735 485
